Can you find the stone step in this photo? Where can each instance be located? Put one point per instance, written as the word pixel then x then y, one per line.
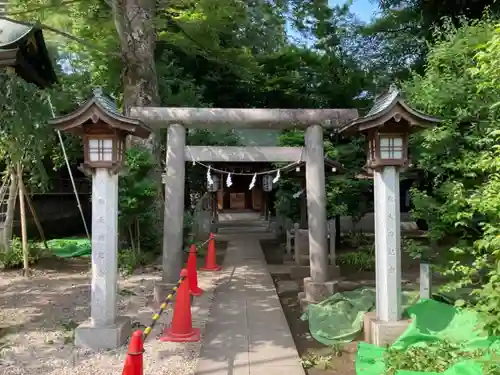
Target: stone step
pixel 243 223
pixel 242 229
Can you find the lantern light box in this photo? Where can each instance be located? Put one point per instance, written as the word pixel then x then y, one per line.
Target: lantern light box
pixel 387 149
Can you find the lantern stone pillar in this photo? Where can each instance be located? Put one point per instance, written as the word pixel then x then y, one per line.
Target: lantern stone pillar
pixel 104 330
pixel 387 243
pixel 173 225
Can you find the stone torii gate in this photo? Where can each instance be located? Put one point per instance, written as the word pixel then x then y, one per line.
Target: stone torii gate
pixel 313 121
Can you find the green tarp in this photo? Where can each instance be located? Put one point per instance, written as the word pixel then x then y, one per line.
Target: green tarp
pixel 70 247
pixel 339 318
pixel 433 322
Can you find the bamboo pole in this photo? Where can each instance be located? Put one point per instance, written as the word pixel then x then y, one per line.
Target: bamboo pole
pixel 132 240
pixel 11 208
pixel 36 220
pixel 63 148
pixel 24 230
pixel 138 234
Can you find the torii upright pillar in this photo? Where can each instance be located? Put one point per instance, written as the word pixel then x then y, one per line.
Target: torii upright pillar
pixel 173 223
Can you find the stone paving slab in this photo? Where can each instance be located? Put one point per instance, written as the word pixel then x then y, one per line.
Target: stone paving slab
pixel 247 332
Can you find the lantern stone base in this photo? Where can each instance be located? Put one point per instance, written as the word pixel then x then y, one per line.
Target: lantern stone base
pixel 315 292
pixel 382 333
pixel 103 337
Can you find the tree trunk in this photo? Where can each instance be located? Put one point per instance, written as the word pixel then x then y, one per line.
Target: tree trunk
pixel 22 214
pixel 11 211
pixel 135 26
pixel 134 22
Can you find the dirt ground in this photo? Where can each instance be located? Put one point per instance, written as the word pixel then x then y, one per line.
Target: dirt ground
pixel 38 316
pixel 339 360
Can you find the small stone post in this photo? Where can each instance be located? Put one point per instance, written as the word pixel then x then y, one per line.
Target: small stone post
pixel 425 280
pixel 332 233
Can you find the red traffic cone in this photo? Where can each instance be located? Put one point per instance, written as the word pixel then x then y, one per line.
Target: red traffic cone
pixel 210 261
pixel 192 273
pixel 181 329
pixel 133 362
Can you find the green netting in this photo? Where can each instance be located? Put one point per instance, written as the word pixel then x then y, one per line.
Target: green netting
pixel 339 318
pixel 432 322
pixel 70 247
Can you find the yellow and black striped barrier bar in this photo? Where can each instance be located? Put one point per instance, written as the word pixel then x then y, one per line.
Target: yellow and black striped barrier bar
pixel 163 306
pixel 198 246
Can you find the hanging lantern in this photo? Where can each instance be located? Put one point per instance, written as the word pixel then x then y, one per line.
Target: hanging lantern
pixel 214 185
pixel 267 182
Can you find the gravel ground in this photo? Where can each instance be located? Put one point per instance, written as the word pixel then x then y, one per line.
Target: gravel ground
pixel 38 317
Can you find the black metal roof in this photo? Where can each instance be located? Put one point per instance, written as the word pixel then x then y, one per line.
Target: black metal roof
pixel 32 62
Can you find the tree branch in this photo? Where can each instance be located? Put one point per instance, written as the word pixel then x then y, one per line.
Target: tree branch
pixel 64 34
pixel 42 7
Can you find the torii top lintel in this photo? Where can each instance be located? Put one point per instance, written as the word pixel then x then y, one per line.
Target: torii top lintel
pixel 388 106
pixel 100 108
pixel 243 118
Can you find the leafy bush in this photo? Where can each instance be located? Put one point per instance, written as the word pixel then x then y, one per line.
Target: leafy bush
pixel 363 259
pixel 460 158
pixel 357 239
pixel 138 200
pixel 129 260
pixel 13 257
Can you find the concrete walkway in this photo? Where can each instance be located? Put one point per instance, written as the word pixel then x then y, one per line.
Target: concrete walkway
pixel 247 333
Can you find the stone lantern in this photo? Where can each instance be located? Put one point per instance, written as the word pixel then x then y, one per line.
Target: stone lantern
pixel 267 183
pixel 387 127
pixel 103 129
pixel 213 188
pixel 215 185
pixel 267 187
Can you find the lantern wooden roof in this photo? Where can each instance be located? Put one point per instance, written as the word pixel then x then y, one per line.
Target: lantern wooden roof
pixel 389 106
pixel 23 48
pixel 100 108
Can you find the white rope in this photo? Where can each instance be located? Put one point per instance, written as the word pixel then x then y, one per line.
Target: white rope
pixel 69 171
pixel 276 170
